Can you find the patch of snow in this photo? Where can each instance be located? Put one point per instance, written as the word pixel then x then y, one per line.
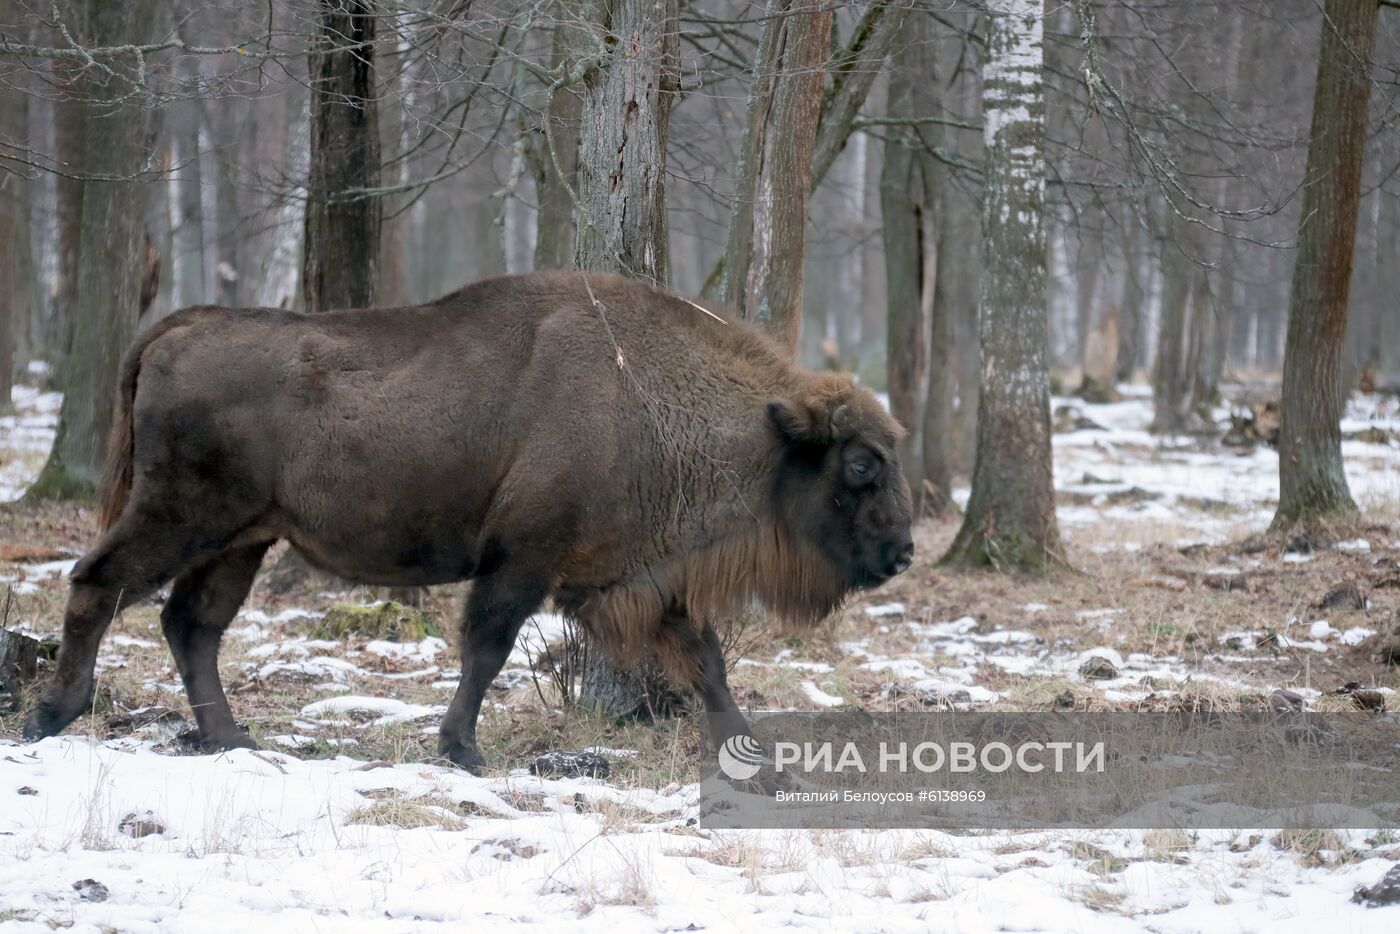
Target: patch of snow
pixel 885 609
pixel 1355 546
pixel 380 711
pixel 819 697
pixel 901 668
pixel 426 650
pixel 975 692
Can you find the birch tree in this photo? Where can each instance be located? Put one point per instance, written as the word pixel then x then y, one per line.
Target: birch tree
pixel 1010 518
pixel 1312 483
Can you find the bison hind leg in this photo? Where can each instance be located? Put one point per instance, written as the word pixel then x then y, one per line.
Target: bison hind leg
pixel 130 562
pixel 202 603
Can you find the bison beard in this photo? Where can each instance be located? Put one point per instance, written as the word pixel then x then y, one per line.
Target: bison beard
pixel 646 464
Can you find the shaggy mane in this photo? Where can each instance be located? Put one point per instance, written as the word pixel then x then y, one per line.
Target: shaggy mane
pixel 791 579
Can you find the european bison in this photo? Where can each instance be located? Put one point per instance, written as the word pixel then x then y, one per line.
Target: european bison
pixel 644 462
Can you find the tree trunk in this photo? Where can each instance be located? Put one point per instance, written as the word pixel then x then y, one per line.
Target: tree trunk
pixel 763 261
pixel 14 227
pixel 1131 305
pixel 187 209
pixel 70 117
pixel 554 242
pixel 622 152
pixel 1010 519
pixel 1312 483
pixel 854 73
pixel 905 200
pixel 938 440
pixel 1388 287
pixel 622 220
pixel 110 256
pixel 1173 375
pixel 341 259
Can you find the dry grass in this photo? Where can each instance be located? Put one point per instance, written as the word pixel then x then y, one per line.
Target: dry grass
pixel 407 813
pixel 1315 847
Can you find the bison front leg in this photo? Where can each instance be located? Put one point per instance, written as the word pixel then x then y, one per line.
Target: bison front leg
pixel 498 606
pixel 695 655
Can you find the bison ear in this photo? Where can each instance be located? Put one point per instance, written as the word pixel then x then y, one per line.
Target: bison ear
pixel 841 421
pixel 793 421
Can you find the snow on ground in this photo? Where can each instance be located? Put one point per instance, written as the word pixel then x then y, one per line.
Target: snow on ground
pixel 269 842
pixel 28 435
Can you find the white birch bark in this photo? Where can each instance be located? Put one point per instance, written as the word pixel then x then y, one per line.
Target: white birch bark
pixel 1010 519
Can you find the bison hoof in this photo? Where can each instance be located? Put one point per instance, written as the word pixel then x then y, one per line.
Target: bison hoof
pixel 463 756
pixel 195 741
pixel 241 741
pixel 43 721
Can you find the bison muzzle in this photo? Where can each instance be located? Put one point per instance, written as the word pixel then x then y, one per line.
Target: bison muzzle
pixel 648 464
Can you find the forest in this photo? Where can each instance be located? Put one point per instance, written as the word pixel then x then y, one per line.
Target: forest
pixel 1127 272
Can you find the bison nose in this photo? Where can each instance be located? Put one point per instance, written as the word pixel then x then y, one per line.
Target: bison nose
pixel 905 558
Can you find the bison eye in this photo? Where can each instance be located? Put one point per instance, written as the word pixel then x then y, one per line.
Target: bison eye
pixel 859 472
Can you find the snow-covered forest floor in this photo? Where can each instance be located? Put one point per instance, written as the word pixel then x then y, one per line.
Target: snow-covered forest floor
pixel 345 822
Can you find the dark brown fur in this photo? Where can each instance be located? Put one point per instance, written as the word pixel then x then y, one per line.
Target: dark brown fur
pixel 649 466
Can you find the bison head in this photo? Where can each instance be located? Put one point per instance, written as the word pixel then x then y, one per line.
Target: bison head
pixel 840 487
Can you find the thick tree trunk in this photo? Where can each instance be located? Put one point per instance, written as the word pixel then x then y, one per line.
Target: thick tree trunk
pixel 341 260
pixel 1010 519
pixel 554 241
pixel 110 257
pixel 622 151
pixel 1312 482
pixel 622 218
pixel 764 256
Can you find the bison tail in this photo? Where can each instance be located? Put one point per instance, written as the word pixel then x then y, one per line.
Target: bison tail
pixel 116 479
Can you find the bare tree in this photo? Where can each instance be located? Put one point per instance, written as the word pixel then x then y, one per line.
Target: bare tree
pixel 767 227
pixel 907 197
pixel 622 227
pixel 14 226
pixel 554 240
pixel 1312 482
pixel 622 154
pixel 1010 519
pixel 107 241
pixel 343 214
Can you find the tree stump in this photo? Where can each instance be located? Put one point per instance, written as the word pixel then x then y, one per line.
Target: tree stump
pixel 19 662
